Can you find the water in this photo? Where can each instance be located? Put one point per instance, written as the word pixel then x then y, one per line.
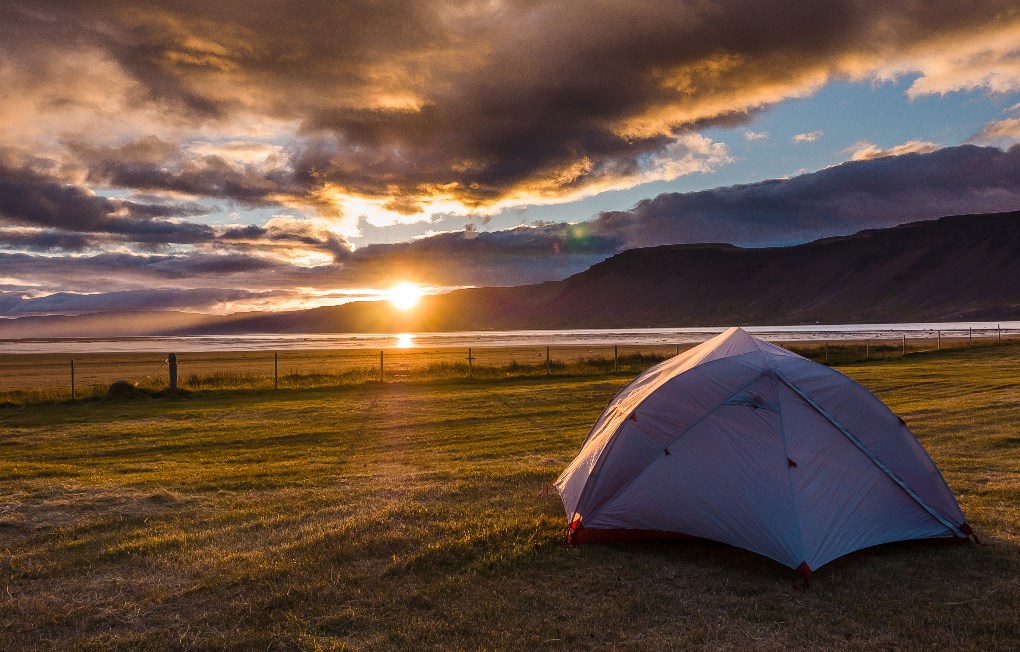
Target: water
pixel 497 339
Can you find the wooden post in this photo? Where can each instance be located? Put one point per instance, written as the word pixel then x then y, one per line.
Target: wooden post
pixel 548 363
pixel 867 349
pixel 970 335
pixel 471 370
pixel 616 357
pixel 172 361
pixel 904 344
pixel 678 349
pixel 938 340
pixel 72 380
pixel 998 331
pixel 826 351
pixel 276 370
pixel 381 366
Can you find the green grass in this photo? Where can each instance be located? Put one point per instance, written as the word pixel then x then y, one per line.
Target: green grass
pixel 410 515
pixel 34 378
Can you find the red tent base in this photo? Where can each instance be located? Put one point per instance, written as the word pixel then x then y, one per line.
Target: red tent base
pixel 578 534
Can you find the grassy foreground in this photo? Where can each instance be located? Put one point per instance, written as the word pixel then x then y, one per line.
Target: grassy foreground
pixel 410 516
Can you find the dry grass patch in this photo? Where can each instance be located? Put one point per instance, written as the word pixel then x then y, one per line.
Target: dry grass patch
pixel 411 516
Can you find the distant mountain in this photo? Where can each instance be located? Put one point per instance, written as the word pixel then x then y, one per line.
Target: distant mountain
pixel 955 268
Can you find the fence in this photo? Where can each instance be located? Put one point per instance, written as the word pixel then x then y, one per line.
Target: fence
pixel 60 376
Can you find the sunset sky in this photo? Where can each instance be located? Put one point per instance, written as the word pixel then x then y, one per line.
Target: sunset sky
pixel 224 156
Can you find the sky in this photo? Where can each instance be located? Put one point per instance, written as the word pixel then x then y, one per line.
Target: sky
pixel 215 158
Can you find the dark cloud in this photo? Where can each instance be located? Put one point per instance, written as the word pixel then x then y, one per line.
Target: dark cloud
pixel 836 201
pixel 152 164
pixel 839 200
pixel 17 304
pixel 525 254
pixel 481 102
pixel 46 213
pixel 47 240
pixel 30 198
pixel 113 271
pixel 141 115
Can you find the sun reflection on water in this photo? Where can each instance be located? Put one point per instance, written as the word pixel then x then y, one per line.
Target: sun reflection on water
pixel 405 341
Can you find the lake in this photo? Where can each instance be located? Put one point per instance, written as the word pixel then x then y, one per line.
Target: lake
pixel 499 339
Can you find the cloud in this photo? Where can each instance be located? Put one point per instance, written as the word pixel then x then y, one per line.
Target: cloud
pixel 253 174
pixel 991 63
pixel 843 199
pixel 124 126
pixel 40 211
pixel 751 136
pixel 458 107
pixel 839 200
pixel 18 304
pixel 808 137
pixel 1000 132
pixel 28 197
pixel 864 151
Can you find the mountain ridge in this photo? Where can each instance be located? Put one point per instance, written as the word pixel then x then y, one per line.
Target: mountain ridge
pixel 954 268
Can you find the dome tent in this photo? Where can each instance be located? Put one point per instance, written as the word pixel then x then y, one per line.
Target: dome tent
pixel 743 442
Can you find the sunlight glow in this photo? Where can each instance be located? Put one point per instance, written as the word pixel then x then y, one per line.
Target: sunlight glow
pixel 405 296
pixel 405 341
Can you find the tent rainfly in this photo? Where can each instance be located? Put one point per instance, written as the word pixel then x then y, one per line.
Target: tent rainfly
pixel 740 441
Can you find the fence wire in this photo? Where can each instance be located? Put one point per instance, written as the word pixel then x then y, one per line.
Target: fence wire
pixel 50 375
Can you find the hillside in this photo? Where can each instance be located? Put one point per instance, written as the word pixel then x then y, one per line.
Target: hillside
pixel 955 268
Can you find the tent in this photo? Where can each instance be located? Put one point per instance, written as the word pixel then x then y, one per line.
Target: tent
pixel 743 442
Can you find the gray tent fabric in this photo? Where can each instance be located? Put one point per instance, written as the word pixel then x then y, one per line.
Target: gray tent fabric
pixel 743 442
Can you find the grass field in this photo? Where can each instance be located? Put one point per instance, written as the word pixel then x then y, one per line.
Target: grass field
pixel 47 376
pixel 410 516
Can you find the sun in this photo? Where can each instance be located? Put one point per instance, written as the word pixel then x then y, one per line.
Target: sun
pixel 404 296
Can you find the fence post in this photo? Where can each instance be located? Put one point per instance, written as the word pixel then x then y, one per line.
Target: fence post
pixel 998 331
pixel 276 370
pixel 678 349
pixel 904 344
pixel 72 380
pixel 867 349
pixel 172 361
pixel 548 363
pixel 471 370
pixel 938 340
pixel 616 357
pixel 970 336
pixel 381 366
pixel 826 351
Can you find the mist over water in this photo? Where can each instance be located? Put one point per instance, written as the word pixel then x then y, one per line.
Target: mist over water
pixel 497 339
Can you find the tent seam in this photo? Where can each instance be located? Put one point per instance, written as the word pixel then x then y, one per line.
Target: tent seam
pixel 934 466
pixel 874 459
pixel 786 453
pixel 670 443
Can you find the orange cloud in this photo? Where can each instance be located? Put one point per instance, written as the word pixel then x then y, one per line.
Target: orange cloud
pixel 865 151
pixel 457 107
